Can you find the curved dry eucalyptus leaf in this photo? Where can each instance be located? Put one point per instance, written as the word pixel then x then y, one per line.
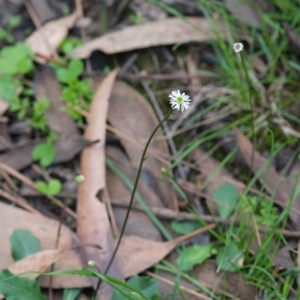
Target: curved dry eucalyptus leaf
pixel 93 224
pixel 164 32
pixel 137 254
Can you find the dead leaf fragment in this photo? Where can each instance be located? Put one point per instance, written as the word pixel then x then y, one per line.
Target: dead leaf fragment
pixel 164 32
pixel 93 224
pixel 45 40
pixel 137 254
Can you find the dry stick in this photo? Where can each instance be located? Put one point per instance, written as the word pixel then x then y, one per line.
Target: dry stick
pixel 108 204
pixel 79 10
pixel 19 201
pixel 169 214
pixel 9 181
pixel 183 288
pixel 29 182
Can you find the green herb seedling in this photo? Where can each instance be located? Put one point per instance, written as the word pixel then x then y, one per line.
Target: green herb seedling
pixel 52 188
pixel 44 153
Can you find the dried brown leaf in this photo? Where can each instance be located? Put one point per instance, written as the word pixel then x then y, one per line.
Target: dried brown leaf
pixel 130 113
pixel 45 40
pixel 93 223
pixel 165 32
pixel 137 254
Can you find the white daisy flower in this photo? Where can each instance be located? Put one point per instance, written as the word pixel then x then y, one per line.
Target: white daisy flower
pixel 179 101
pixel 238 47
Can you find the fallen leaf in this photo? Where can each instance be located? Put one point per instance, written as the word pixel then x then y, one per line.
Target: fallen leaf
pixel 130 113
pixel 45 40
pixel 246 11
pixel 276 185
pixel 164 32
pixel 93 224
pixel 45 229
pixel 47 86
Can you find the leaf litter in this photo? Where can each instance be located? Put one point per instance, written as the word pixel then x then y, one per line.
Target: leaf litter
pixel 132 119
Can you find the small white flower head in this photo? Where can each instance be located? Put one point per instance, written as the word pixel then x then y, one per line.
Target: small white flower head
pixel 92 263
pixel 79 179
pixel 179 101
pixel 238 47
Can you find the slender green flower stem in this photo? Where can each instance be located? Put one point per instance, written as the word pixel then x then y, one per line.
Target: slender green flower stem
pixel 252 111
pixel 135 187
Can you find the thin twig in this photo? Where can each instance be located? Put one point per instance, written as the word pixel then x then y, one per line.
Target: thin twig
pixel 38 25
pixel 171 215
pixel 29 182
pixel 19 201
pixel 183 288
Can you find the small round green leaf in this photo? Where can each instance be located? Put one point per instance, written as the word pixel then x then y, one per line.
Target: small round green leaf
pixel 226 197
pixel 194 255
pixel 54 187
pixel 184 227
pixel 44 153
pixel 42 187
pixel 23 243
